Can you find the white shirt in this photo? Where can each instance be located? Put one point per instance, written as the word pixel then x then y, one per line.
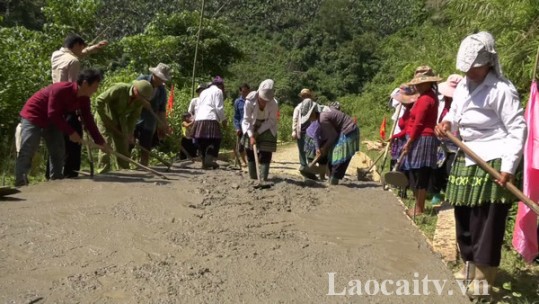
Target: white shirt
pixel 65 66
pixel 210 105
pixel 192 109
pixel 490 121
pixel 295 121
pixel 399 112
pixel 250 115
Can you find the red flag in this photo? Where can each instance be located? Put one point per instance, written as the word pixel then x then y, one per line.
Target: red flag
pixel 170 104
pixel 383 129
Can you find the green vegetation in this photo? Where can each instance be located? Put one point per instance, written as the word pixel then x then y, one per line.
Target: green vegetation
pixel 353 51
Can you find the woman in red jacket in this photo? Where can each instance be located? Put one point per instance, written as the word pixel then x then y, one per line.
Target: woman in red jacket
pixel 421 144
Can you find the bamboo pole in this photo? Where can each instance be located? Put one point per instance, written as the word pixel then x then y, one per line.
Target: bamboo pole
pixel 510 186
pixel 196 49
pixel 534 75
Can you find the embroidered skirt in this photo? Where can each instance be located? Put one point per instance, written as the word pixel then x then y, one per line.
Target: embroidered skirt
pixel 265 142
pixel 347 145
pixel 207 129
pixel 396 147
pixel 422 153
pixel 472 186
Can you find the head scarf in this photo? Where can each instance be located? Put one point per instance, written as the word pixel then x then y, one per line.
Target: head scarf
pixel 478 50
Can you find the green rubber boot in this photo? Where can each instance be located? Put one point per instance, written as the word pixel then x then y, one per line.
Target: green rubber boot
pixel 264 171
pixel 252 170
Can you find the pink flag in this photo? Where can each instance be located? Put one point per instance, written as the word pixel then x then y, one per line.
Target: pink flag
pixel 525 233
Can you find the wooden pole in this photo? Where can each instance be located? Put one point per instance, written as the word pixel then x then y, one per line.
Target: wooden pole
pixel 121 156
pixel 196 49
pixel 510 186
pixel 399 109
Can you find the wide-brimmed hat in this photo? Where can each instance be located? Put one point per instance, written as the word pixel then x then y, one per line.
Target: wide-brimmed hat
pixel 405 94
pixel 266 90
pixel 162 71
pixel 424 74
pixel 447 88
pixel 305 93
pixel 144 89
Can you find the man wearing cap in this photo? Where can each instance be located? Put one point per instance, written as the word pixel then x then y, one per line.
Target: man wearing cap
pixel 299 129
pixel 65 64
pixel 192 108
pixel 118 110
pixel 148 123
pixel 259 126
pixel 43 116
pixel 239 105
pixel 209 116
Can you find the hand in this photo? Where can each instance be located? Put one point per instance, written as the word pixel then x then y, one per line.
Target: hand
pixel 318 153
pixel 75 137
pixel 504 178
pixel 442 128
pixel 294 136
pixel 238 132
pixel 102 43
pixel 406 148
pixel 252 140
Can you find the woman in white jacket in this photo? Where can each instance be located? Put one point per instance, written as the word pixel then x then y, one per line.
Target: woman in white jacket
pixel 259 126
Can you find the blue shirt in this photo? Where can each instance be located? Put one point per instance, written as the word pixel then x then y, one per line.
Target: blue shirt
pixel 239 104
pixel 159 105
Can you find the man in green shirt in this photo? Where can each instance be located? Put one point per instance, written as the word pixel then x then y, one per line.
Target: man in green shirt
pixel 118 110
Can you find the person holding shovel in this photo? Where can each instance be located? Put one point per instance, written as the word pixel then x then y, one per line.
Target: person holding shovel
pixel 239 105
pixel 118 109
pixel 487 114
pixel 148 124
pixel 421 144
pixel 259 126
pixel 43 116
pixel 340 135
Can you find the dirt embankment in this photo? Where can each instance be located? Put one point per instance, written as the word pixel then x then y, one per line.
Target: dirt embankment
pixel 208 237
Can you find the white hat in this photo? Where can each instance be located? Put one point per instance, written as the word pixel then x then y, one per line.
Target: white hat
pixel 162 71
pixel 266 90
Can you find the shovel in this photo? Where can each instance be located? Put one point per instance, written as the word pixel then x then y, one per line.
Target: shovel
pixel 261 184
pixel 121 156
pixel 396 178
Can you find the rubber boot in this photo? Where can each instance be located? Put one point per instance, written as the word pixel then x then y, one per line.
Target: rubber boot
pixel 252 170
pixel 322 172
pixel 264 171
pixel 333 181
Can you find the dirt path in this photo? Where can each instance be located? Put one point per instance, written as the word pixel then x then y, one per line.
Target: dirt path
pixel 209 237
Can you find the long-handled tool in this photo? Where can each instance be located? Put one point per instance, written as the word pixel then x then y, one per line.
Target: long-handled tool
pixel 121 156
pixel 395 177
pixel 261 184
pixel 237 152
pixel 510 186
pixel 362 173
pixel 399 109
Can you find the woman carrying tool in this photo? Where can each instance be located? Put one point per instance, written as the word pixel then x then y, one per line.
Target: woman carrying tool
pixel 488 116
pixel 259 127
pixel 421 144
pixel 406 96
pixel 341 137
